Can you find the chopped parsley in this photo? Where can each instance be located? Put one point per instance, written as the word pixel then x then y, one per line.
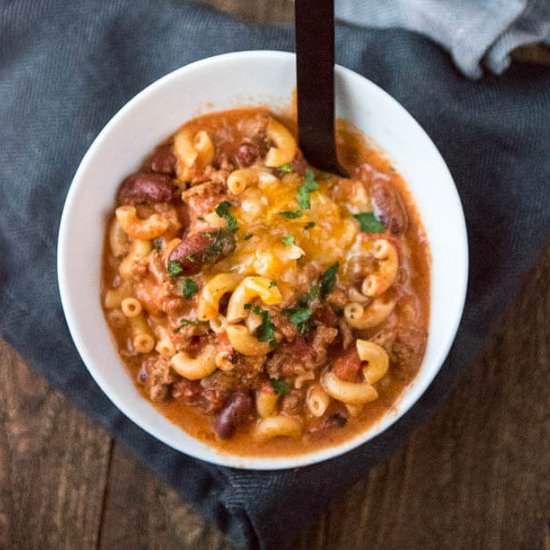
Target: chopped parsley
pixel 286 168
pixel 174 268
pixel 157 244
pixel 310 295
pixel 291 214
pixel 266 331
pixel 280 386
pixel 328 280
pixel 309 225
pixel 222 210
pixel 288 240
pixel 309 185
pixel 247 237
pixel 189 323
pixel 272 284
pixel 201 218
pixel 299 317
pixel 369 223
pixel 313 292
pixel 189 288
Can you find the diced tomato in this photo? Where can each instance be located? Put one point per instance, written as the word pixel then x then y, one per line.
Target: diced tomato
pixel 347 366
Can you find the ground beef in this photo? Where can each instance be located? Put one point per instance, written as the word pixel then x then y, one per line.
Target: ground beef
pixel 338 298
pixel 293 402
pixel 159 377
pixel 203 199
pixel 345 334
pixel 282 325
pixel 210 174
pixel 209 401
pixel 291 359
pixel 325 315
pixel 407 351
pixel 191 337
pixel 301 355
pixel 322 338
pixel 243 376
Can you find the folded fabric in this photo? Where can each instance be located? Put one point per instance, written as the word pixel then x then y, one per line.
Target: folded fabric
pixel 67 67
pixel 477 34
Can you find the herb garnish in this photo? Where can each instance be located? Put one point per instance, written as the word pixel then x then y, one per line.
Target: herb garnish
pixel 157 244
pixel 280 386
pixel 266 331
pixel 288 240
pixel 247 237
pixel 189 323
pixel 174 268
pixel 286 168
pixel 222 210
pixel 291 214
pixel 328 280
pixel 309 225
pixel 272 284
pixel 369 223
pixel 189 288
pixel 309 185
pixel 299 317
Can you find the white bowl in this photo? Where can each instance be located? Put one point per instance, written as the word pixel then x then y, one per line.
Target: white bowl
pixel 222 82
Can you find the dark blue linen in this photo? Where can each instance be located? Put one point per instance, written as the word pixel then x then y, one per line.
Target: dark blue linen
pixel 67 67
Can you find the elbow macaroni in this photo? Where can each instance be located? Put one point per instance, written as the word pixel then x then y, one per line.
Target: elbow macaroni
pixel 317 400
pixel 378 282
pixel 285 148
pixel 352 393
pixel 118 240
pixel 376 357
pixel 373 315
pixel 192 150
pixel 244 342
pixel 195 368
pixel 266 401
pixel 277 426
pixel 249 289
pixel 142 340
pixel 212 292
pixel 151 228
pixel 239 180
pixel 138 250
pixel 164 346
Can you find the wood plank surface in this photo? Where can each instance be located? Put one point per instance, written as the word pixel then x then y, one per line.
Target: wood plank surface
pixel 474 477
pixel 53 465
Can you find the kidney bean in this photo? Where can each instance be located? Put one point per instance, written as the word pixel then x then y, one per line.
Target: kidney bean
pixel 234 413
pixel 163 161
pixel 389 207
pixel 206 247
pixel 247 153
pixel 145 188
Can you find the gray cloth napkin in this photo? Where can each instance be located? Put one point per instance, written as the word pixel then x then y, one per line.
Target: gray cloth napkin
pixel 477 33
pixel 66 68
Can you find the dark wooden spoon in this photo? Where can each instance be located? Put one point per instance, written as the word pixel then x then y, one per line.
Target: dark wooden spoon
pixel 314 22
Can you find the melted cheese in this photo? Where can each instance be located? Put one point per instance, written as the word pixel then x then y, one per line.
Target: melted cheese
pixel 307 250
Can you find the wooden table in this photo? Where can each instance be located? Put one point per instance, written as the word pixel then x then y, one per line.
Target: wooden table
pixel 475 477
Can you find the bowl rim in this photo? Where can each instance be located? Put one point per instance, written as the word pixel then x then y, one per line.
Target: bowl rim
pixel 206 452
